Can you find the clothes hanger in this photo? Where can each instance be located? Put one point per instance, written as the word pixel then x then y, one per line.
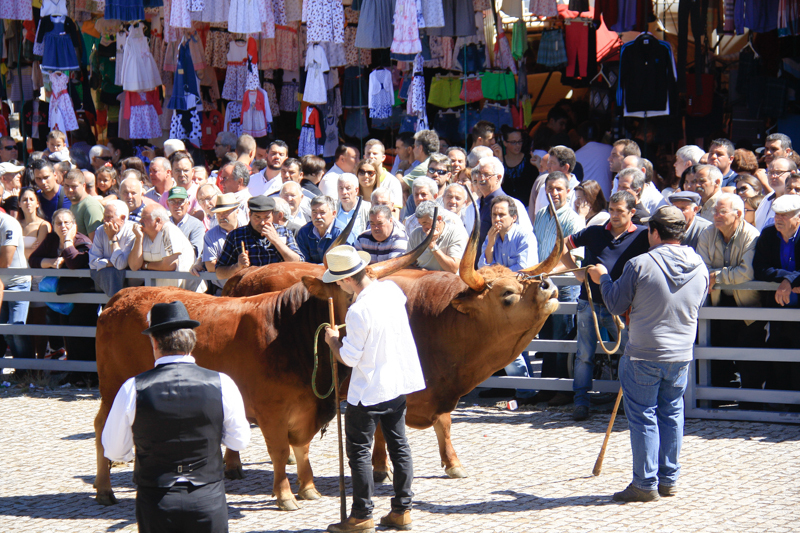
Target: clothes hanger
pixel 601 74
pixel 749 44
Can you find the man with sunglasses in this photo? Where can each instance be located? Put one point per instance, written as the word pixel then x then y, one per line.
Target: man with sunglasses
pixel 8 149
pixel 99 155
pixel 777 172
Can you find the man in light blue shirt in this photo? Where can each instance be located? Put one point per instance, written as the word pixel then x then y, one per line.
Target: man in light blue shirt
pixel 512 246
pixel 507 243
pixel 314 238
pixel 108 256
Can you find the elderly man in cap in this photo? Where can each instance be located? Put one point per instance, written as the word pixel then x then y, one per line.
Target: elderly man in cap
pixel 179 487
pixel 728 249
pixel 259 243
pixel 449 238
pixel 225 213
pixel 191 227
pixel 776 261
pixel 777 172
pixel 689 204
pixel 664 290
pixel 11 175
pixel 381 351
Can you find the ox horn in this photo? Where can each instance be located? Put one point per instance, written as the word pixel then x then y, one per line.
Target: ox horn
pixel 390 266
pixel 546 266
pixel 342 238
pixel 466 269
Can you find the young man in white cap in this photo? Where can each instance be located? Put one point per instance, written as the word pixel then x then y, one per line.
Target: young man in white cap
pixel 381 350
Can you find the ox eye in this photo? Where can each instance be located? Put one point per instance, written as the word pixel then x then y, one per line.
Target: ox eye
pixel 508 294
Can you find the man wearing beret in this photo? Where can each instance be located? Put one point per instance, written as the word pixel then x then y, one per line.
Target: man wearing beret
pixel 259 243
pixel 177 415
pixel 689 204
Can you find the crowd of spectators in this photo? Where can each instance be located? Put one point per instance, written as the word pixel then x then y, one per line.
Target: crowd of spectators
pixel 256 205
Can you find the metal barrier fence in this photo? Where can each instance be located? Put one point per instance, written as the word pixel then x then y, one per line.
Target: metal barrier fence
pixel 699 394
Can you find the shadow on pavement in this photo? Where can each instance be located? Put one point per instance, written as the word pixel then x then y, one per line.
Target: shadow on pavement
pixel 522 502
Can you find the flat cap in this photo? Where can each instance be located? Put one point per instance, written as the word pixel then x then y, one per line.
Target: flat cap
pixel 686 195
pixel 788 203
pixel 261 203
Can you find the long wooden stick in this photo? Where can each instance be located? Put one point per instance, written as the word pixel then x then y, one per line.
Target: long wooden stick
pixel 598 465
pixel 335 365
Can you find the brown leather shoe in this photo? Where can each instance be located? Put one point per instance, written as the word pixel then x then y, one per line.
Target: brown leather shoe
pixel 401 521
pixel 353 525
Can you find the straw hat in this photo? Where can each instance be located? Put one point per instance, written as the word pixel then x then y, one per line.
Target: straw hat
pixel 343 262
pixel 225 202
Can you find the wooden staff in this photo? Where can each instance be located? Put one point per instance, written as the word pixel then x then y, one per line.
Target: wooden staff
pixel 243 248
pixel 598 465
pixel 335 367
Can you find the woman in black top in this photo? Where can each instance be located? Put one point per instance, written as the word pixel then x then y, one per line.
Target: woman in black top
pixel 519 173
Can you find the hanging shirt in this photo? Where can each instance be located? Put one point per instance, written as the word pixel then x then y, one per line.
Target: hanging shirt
pixel 647 77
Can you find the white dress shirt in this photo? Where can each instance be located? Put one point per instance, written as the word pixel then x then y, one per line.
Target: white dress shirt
pixel 260 185
pixel 117 435
pixel 101 254
pixel 379 346
pixel 329 184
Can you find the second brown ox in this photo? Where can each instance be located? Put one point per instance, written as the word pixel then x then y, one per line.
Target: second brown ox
pixel 462 336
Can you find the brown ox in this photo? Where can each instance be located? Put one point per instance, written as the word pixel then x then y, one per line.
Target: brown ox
pixel 463 336
pixel 264 343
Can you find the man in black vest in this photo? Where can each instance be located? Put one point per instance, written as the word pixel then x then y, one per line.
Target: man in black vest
pixel 177 415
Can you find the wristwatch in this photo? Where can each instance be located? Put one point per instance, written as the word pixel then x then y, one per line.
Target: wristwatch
pixel 435 248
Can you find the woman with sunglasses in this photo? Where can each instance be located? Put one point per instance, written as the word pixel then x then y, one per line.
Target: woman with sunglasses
pixel 748 187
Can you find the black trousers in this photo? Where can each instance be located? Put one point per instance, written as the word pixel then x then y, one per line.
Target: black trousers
pixel 359 427
pixel 182 508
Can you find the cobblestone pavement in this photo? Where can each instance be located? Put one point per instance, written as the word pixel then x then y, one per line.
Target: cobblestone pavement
pixel 530 470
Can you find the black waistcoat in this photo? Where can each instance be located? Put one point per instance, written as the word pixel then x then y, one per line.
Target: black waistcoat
pixel 178 426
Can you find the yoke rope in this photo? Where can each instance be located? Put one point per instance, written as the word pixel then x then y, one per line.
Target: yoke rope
pixel 316 361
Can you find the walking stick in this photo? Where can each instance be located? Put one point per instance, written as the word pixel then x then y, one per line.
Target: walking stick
pixel 598 465
pixel 334 366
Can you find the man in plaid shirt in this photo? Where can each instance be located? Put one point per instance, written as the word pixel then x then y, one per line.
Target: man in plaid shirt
pixel 258 243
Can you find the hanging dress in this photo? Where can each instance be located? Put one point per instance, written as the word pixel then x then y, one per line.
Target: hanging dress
pixel 316 63
pixel 122 37
pixel 406 28
pixel 142 110
pixel 16 10
pixel 139 70
pixel 256 114
pixel 236 74
pixel 310 134
pixel 381 94
pixel 62 112
pixel 324 21
pixel 246 16
pixel 123 10
pixel 59 37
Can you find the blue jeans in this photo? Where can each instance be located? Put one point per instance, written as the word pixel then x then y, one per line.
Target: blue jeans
pixel 653 394
pixel 557 328
pixel 17 313
pixel 109 280
pixel 519 368
pixel 587 344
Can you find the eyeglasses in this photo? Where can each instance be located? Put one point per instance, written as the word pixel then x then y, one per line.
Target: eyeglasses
pixel 366 172
pixel 742 190
pixel 723 212
pixel 12 147
pixel 777 173
pixel 484 175
pixel 516 143
pixel 439 171
pixel 105 158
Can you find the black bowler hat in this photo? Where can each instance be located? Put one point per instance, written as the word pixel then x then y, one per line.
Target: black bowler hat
pixel 169 317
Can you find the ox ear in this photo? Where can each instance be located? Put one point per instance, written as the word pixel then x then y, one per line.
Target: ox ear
pixel 465 305
pixel 316 287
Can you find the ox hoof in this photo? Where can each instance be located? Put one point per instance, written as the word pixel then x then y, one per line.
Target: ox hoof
pixel 309 494
pixel 291 460
pixel 381 477
pixel 106 497
pixel 289 504
pixel 235 473
pixel 456 472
